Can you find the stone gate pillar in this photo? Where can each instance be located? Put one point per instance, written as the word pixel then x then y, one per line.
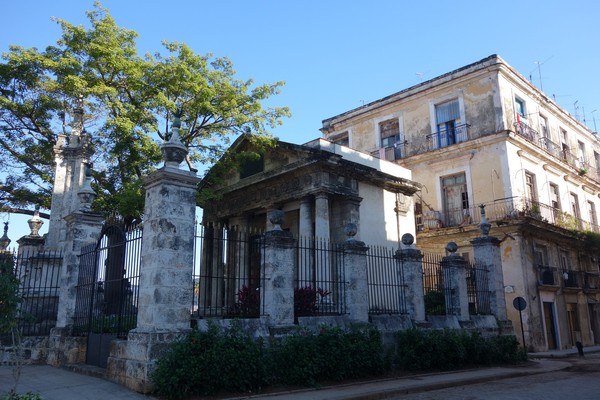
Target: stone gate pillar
pixel 355 267
pixel 278 288
pixel 454 268
pixel 166 285
pixel 486 250
pixel 410 260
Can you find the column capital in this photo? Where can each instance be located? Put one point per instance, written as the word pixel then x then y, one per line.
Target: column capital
pixel 173 176
pixel 485 240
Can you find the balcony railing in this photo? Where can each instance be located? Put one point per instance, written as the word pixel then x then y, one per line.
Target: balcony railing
pixel 501 211
pixel 390 153
pixel 547 275
pixel 571 279
pixel 448 137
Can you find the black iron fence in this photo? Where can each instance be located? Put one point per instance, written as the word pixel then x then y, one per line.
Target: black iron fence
pixel 107 289
pixel 228 274
pixel 385 280
pixel 320 284
pixel 39 284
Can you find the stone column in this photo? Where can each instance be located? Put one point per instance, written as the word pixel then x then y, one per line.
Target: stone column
pixel 306 227
pixel 355 266
pixel 322 237
pixel 410 260
pixel 455 284
pixel 278 289
pixel 486 250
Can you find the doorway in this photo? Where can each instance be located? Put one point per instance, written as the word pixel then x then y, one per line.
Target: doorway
pixel 549 321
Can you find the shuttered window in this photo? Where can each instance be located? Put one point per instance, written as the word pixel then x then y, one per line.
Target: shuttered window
pixel 448 111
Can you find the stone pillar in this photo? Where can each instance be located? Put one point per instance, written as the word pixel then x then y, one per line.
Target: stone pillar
pixel 355 266
pixel 322 216
pixel 166 286
pixel 410 260
pixel 455 284
pixel 486 250
pixel 83 228
pixel 278 289
pixel 167 251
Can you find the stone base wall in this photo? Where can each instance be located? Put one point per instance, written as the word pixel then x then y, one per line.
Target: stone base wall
pixel 33 350
pixel 65 349
pixel 132 361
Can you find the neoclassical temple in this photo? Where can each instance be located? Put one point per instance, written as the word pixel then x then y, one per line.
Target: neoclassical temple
pixel 320 186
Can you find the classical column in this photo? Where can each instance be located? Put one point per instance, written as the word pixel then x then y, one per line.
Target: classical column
pixel 278 289
pixel 486 251
pixel 455 283
pixel 306 226
pixel 355 266
pixel 323 271
pixel 411 275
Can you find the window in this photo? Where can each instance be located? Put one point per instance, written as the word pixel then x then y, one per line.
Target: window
pixel 530 188
pixel 447 117
pixel 341 138
pixel 389 132
pixel 593 216
pixel 520 107
pixel 581 154
pixel 597 160
pixel 575 205
pixel 554 197
pixel 456 200
pixel 546 275
pixel 564 144
pixel 544 127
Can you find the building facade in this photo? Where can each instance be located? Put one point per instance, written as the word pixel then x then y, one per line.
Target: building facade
pixel 484 135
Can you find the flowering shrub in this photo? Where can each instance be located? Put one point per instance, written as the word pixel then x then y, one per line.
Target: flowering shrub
pixel 248 302
pixel 307 300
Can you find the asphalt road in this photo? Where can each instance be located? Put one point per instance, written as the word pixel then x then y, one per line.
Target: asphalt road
pixel 580 381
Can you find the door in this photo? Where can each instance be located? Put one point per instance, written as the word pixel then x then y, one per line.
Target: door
pixel 573 321
pixel 456 200
pixel 550 327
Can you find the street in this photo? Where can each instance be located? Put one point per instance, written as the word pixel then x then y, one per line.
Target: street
pixel 580 381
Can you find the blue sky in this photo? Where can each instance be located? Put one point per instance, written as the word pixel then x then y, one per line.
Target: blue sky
pixel 337 55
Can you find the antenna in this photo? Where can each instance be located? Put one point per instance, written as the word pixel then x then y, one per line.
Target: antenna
pixel 539 68
pixel 576 109
pixel 594 119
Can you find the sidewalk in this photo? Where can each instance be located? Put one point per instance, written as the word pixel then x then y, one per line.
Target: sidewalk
pixel 61 384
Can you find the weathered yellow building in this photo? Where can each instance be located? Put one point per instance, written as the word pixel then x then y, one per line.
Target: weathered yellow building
pixel 484 135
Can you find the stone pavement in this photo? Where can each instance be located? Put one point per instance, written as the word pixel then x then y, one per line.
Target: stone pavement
pixel 62 384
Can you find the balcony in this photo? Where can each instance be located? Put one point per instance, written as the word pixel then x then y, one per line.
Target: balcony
pixel 591 282
pixel 501 212
pixel 571 279
pixel 448 137
pixel 390 153
pixel 547 276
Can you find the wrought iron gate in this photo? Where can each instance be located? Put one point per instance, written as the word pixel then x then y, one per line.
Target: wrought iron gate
pixel 107 290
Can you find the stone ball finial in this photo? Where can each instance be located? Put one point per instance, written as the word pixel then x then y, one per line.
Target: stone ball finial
pixel 276 218
pixel 451 247
pixel 408 239
pixel 350 230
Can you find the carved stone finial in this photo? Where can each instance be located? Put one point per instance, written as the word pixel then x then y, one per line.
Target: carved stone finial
pixel 451 247
pixel 35 223
pixel 276 218
pixel 485 226
pixel 408 239
pixel 86 194
pixel 173 150
pixel 4 240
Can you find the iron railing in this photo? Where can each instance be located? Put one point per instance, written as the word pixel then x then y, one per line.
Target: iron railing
pixel 39 285
pixel 501 211
pixel 107 289
pixel 320 284
pixel 385 280
pixel 448 137
pixel 228 275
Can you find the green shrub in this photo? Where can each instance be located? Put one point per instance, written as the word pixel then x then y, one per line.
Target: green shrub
pixel 307 358
pixel 205 362
pixel 450 349
pixel 26 396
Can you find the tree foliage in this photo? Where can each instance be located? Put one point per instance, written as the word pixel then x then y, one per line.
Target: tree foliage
pixel 129 103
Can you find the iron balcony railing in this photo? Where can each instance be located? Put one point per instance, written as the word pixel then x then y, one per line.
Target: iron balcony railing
pixel 390 153
pixel 448 137
pixel 501 211
pixel 581 164
pixel 547 276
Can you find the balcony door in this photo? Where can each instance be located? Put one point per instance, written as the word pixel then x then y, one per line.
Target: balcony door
pixel 456 199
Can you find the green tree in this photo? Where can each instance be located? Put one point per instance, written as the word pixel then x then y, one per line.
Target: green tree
pixel 129 102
